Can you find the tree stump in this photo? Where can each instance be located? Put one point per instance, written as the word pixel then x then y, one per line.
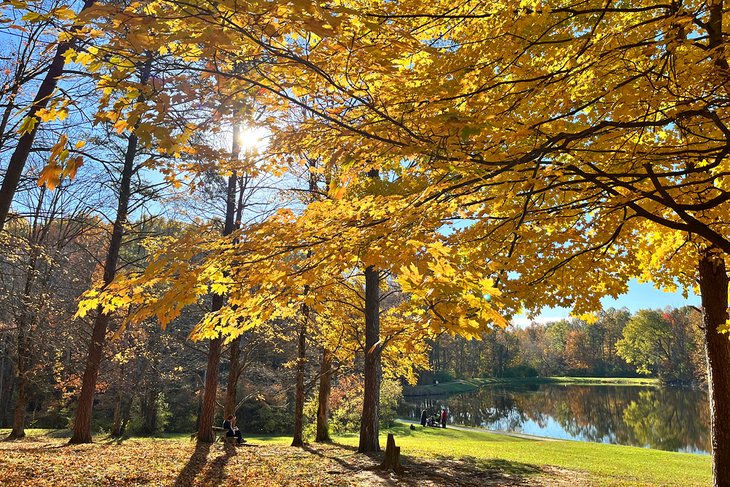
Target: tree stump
pixel 392 457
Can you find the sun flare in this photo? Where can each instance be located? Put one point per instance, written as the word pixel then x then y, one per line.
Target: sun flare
pixel 253 140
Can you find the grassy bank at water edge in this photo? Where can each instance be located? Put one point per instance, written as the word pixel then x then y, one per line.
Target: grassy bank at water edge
pixel 468 385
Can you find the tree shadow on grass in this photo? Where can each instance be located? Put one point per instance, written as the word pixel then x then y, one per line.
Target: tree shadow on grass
pixel 352 466
pixel 501 465
pixel 214 475
pixel 195 465
pixel 115 440
pixel 467 471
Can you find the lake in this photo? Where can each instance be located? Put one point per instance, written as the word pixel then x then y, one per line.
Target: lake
pixel 665 418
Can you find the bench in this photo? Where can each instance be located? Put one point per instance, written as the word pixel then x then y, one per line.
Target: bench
pixel 220 435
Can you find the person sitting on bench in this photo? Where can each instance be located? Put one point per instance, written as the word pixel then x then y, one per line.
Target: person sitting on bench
pixel 232 430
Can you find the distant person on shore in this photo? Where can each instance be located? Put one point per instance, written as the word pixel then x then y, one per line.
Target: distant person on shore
pixel 443 418
pixel 434 420
pixel 424 416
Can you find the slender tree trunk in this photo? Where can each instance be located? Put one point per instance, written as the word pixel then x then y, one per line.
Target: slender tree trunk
pixel 149 411
pixel 235 367
pixel 3 353
pixel 10 104
pixel 24 340
pixel 25 143
pixel 298 439
pixel 126 415
pixel 369 427
pixel 714 291
pixel 234 372
pixel 207 413
pixel 325 380
pixel 116 430
pixel 22 371
pixel 82 421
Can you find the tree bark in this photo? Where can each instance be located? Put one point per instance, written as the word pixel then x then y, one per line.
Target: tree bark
pixel 298 439
pixel 22 368
pixel 82 421
pixel 21 403
pixel 116 430
pixel 392 456
pixel 149 411
pixel 234 372
pixel 3 353
pixel 714 291
pixel 25 143
pixel 126 415
pixel 207 413
pixel 25 322
pixel 235 367
pixel 369 427
pixel 325 381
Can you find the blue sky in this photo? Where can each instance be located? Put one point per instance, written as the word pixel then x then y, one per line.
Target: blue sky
pixel 640 296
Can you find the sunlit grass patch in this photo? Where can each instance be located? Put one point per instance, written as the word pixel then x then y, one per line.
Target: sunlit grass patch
pixel 604 464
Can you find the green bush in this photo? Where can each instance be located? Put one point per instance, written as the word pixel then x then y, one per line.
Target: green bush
pixel 346 405
pixel 260 417
pixel 136 423
pixel 520 371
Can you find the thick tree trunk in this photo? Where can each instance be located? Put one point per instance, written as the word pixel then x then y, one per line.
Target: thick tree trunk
pixel 369 427
pixel 25 143
pixel 82 421
pixel 714 291
pixel 21 404
pixel 298 439
pixel 207 412
pixel 234 372
pixel 325 381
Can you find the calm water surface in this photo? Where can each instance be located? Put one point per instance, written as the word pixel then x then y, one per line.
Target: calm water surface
pixel 673 419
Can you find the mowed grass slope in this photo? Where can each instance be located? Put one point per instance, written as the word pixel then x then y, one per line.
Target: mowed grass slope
pixel 603 464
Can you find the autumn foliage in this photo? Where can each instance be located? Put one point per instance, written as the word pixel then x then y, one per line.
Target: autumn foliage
pixel 527 155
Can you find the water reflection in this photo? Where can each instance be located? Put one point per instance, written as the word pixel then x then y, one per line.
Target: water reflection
pixel 663 418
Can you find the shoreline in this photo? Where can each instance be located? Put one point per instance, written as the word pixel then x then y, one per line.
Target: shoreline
pixel 469 385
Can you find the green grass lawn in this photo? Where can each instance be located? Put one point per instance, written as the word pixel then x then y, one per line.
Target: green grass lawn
pixel 468 385
pixel 604 464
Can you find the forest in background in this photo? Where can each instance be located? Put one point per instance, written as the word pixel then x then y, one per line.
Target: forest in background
pixel 665 344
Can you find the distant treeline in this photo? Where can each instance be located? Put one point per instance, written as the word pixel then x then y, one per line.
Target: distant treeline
pixel 664 344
